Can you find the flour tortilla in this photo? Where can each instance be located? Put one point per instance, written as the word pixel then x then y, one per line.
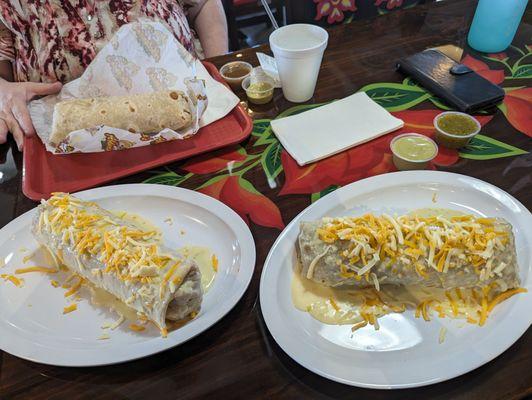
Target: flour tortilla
pixel 141 113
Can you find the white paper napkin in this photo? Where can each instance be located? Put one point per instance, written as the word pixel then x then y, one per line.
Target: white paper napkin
pixel 333 128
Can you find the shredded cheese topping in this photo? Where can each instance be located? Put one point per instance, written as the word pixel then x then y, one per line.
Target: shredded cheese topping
pixel 74 288
pixel 130 253
pixel 45 270
pixel 13 279
pixel 136 328
pixel 443 331
pixel 424 244
pixel 70 308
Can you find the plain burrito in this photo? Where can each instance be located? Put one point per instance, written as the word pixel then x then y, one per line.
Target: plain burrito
pixel 454 252
pixel 141 113
pixel 121 257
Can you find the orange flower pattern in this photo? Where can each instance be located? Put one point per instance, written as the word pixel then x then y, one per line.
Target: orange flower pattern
pixel 517 104
pixel 245 200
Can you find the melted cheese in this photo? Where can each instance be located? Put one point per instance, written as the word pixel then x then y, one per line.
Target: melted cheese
pixel 362 307
pixel 104 299
pixel 207 263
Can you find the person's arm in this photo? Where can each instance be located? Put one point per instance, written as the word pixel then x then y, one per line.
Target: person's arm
pixel 211 27
pixel 14 96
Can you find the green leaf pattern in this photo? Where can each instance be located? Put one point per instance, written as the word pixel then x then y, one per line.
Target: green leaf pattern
pixel 523 71
pixel 396 96
pixel 316 196
pixel 167 178
pixel 271 160
pixel 485 148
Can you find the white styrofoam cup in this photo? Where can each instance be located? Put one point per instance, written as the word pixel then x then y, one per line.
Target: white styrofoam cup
pixel 298 50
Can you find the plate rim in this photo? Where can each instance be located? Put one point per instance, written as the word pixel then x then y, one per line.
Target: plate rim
pixel 430 177
pixel 222 211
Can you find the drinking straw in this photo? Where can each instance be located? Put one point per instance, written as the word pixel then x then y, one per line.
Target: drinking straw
pixel 270 14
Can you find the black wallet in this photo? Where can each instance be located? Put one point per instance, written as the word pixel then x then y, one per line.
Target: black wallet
pixel 457 84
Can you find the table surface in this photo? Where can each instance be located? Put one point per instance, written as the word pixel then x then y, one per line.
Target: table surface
pixel 237 358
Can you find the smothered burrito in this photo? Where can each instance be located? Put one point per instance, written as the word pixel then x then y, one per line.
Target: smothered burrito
pixel 120 256
pixel 141 113
pixel 444 252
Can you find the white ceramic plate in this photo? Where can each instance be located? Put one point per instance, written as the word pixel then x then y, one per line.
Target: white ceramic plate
pixel 405 352
pixel 32 325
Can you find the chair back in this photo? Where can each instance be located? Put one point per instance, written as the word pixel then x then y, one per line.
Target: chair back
pixel 331 12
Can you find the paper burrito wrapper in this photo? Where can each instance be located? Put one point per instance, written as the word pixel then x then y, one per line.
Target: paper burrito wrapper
pixel 143 58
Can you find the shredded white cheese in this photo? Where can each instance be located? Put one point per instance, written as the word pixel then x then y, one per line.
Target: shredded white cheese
pixel 310 271
pixel 443 331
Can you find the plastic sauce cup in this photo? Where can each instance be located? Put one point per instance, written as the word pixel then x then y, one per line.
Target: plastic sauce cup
pixel 449 140
pixel 415 153
pixel 235 72
pixel 259 89
pixel 298 51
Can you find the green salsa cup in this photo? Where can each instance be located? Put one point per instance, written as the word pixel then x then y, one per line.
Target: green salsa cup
pixel 447 125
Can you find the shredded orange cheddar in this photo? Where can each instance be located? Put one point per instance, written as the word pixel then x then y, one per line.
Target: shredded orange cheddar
pixel 137 328
pixel 483 311
pixel 13 279
pixel 45 270
pixel 334 304
pixel 70 308
pixel 74 288
pixel 503 296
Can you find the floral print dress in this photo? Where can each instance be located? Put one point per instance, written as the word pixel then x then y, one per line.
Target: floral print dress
pixel 50 40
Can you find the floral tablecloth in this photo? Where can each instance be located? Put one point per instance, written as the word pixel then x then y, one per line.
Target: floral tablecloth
pixel 228 174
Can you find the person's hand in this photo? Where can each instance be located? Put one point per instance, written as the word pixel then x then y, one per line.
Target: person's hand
pixel 14 114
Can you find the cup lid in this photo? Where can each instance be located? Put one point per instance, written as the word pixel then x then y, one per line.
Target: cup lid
pixel 282 40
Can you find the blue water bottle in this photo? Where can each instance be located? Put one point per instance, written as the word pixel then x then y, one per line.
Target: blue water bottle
pixel 494 24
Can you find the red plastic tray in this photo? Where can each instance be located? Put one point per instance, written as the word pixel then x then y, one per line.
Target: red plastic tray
pixel 45 172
